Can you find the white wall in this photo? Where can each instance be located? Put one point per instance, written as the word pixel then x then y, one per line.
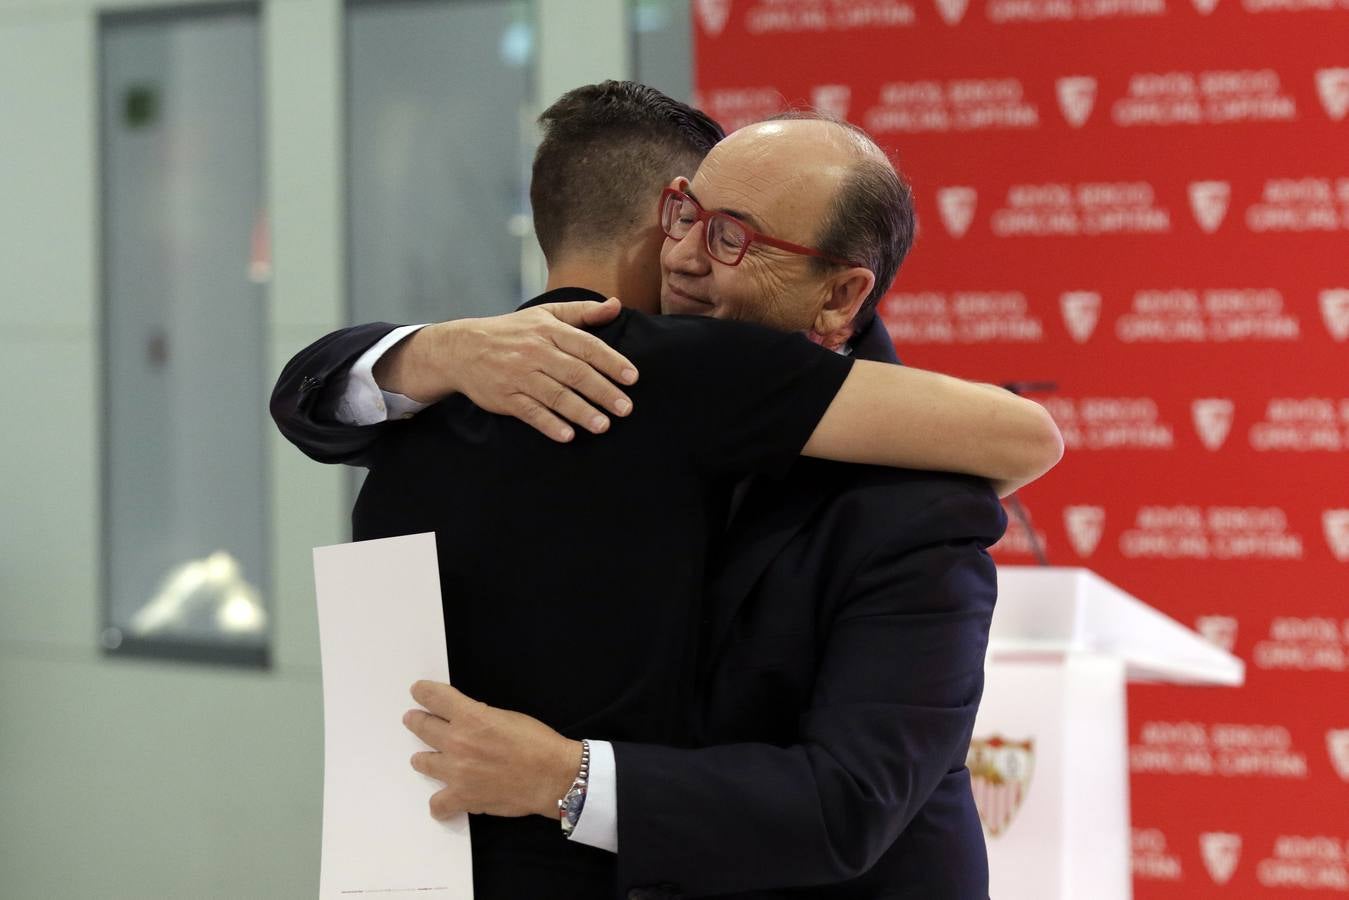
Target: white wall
pixel 123 778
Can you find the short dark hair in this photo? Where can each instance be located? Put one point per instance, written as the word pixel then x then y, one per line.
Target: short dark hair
pixel 606 152
pixel 872 221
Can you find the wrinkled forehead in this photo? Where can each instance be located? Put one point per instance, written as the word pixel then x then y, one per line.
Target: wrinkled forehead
pixel 782 185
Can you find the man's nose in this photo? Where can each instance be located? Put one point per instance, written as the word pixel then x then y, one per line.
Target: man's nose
pixel 689 254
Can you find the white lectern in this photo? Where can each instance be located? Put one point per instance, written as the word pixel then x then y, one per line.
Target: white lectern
pixel 1050 747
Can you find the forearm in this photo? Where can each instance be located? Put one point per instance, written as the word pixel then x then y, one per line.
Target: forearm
pixel 420 367
pixel 762 817
pixel 909 418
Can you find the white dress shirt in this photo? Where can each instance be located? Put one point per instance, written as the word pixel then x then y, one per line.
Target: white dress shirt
pixel 363 402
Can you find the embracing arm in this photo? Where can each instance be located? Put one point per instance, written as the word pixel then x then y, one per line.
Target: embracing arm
pixel 910 418
pixel 534 364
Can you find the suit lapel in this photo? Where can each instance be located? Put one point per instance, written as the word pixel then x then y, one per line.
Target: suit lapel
pixel 772 513
pixel 769 515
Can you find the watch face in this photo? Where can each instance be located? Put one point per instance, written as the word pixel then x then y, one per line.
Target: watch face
pixel 572 805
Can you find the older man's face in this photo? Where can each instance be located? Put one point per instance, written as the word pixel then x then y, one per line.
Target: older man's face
pixel 780 178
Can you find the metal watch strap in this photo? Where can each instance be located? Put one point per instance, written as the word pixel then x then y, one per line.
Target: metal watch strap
pixel 570 806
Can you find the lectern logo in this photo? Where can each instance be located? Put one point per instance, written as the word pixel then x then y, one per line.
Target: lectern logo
pixel 833 99
pixel 1335 312
pixel 1212 421
pixel 1000 773
pixel 1209 201
pixel 1335 522
pixel 1220 631
pixel 952 10
pixel 1221 852
pixel 1333 86
pixel 1077 98
pixel 713 14
pixel 1205 7
pixel 1337 745
pixel 956 205
pixel 1081 311
pixel 1085 525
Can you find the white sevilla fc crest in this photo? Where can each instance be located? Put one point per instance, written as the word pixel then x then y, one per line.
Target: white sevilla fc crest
pixel 1085 525
pixel 1000 773
pixel 1077 98
pixel 1081 311
pixel 833 99
pixel 1333 86
pixel 952 10
pixel 1208 202
pixel 956 205
pixel 1221 852
pixel 1335 312
pixel 1335 523
pixel 713 14
pixel 1337 745
pixel 1220 631
pixel 1212 421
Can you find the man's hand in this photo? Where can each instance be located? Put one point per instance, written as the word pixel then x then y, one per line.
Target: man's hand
pixel 491 760
pixel 535 364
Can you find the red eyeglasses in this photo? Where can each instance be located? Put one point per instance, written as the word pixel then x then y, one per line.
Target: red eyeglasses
pixel 727 238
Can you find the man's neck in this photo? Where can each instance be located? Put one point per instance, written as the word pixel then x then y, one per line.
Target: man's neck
pixel 585 273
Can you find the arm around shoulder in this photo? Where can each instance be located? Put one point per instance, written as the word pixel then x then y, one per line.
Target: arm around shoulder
pixel 909 418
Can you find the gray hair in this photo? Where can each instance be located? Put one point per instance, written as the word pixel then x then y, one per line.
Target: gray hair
pixel 872 221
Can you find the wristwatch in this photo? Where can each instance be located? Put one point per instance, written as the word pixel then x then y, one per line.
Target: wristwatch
pixel 569 807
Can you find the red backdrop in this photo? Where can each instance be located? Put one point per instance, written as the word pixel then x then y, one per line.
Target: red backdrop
pixel 1146 202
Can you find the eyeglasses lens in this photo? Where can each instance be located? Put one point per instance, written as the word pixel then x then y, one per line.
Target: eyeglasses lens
pixel 726 239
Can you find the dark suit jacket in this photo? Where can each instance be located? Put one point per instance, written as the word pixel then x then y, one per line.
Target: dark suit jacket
pixel 843 651
pixel 841 665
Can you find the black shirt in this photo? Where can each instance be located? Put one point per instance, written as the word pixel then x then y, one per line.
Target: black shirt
pixel 571 573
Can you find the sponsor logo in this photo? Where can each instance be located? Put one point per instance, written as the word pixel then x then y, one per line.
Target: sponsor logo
pixel 833 99
pixel 1336 525
pixel 1221 852
pixel 1335 312
pixel 956 205
pixel 1220 631
pixel 961 317
pixel 713 14
pixel 1209 201
pixel 1212 421
pixel 1081 311
pixel 1337 745
pixel 1205 7
pixel 1085 525
pixel 1333 86
pixel 1000 773
pixel 1077 97
pixel 952 10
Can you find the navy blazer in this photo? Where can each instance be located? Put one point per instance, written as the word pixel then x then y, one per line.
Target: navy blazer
pixel 840 669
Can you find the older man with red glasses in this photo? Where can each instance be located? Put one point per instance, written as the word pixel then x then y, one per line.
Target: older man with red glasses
pixel 836 653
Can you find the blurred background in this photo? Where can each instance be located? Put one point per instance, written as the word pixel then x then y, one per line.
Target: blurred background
pixel 189 193
pixel 1140 207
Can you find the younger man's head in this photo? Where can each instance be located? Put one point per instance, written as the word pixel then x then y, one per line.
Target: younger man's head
pixel 607 151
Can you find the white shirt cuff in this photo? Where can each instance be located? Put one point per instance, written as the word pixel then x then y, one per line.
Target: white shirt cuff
pixel 363 402
pixel 597 825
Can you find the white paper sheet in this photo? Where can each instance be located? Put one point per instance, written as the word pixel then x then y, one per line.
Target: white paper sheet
pixel 381 629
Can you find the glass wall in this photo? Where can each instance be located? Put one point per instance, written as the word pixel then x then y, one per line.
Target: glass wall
pixel 440 138
pixel 186 258
pixel 662 44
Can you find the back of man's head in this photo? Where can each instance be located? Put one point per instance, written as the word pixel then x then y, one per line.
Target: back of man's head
pixel 872 220
pixel 607 151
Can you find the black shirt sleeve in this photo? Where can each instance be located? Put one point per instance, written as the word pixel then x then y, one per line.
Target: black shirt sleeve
pixel 744 398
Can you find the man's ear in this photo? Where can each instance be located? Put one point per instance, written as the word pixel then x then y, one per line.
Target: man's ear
pixel 680 183
pixel 848 290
